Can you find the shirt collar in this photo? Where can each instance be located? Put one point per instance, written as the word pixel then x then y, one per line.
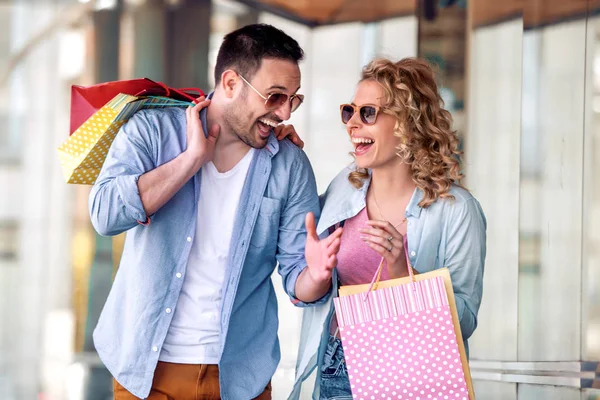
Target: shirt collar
pixel 203 114
pixel 413 209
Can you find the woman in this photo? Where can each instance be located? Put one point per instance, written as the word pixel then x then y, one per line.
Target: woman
pixel 405 181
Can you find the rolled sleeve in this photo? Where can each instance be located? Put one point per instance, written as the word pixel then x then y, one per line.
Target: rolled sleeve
pixel 115 205
pixel 290 289
pixel 130 195
pixel 467 317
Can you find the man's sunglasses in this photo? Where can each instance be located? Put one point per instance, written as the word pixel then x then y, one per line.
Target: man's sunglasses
pixel 276 100
pixel 368 114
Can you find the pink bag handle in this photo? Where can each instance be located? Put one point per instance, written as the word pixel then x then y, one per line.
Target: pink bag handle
pixel 377 275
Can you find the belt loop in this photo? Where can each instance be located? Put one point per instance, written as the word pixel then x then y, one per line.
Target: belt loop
pixel 200 374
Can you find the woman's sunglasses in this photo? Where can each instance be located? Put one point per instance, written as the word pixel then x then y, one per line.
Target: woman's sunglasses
pixel 276 100
pixel 368 114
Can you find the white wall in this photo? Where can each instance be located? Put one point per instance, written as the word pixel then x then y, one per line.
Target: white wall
pixel 37 287
pixel 492 161
pixel 525 160
pixel 558 132
pixel 591 199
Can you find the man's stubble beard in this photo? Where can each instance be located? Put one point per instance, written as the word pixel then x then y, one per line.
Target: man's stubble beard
pixel 235 121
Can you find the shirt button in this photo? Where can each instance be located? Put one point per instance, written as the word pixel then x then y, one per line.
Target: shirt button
pixel 189 239
pixel 154 348
pixel 168 311
pixel 178 274
pixel 412 254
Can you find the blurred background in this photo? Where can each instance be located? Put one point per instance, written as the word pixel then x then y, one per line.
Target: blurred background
pixel 521 78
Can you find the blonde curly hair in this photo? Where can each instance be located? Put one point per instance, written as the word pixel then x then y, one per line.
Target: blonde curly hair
pixel 428 143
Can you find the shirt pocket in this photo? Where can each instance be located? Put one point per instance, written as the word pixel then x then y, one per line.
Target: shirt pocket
pixel 266 228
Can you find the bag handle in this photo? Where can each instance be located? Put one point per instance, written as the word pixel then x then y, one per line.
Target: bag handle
pixel 183 92
pixel 192 90
pixel 377 276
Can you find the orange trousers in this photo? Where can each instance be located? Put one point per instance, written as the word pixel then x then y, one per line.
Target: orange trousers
pixel 183 382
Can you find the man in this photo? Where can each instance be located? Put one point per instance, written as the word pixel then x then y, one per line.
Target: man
pixel 192 313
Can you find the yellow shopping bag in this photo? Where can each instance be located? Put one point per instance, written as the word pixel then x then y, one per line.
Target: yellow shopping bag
pixel 83 153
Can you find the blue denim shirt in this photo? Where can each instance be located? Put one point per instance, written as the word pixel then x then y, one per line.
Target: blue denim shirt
pixel 269 227
pixel 449 233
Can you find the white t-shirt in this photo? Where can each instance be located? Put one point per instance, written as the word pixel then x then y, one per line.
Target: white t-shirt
pixel 193 336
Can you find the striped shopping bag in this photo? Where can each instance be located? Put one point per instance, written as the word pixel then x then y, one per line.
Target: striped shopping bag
pixel 402 338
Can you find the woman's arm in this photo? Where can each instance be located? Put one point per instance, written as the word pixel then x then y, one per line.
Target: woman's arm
pixel 465 257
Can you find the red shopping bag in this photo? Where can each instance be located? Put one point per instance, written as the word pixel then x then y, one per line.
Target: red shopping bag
pixel 85 101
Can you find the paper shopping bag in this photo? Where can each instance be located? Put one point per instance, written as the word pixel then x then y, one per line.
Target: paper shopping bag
pixel 402 338
pixel 83 153
pixel 87 100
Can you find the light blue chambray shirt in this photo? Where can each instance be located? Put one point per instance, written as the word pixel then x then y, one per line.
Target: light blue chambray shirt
pixel 269 227
pixel 449 233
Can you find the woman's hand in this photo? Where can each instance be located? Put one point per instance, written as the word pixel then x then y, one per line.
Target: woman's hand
pixel 382 237
pixel 287 131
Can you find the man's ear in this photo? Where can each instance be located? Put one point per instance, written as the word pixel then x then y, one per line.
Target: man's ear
pixel 229 80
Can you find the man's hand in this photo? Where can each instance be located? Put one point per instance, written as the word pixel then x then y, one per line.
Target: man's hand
pixel 287 131
pixel 159 185
pixel 200 149
pixel 321 255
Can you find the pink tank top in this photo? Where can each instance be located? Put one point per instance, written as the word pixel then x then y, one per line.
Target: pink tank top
pixel 357 262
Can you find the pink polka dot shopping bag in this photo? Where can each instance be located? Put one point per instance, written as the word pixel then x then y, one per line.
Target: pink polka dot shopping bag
pixel 402 338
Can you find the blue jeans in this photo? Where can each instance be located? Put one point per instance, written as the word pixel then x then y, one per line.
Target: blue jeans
pixel 335 384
